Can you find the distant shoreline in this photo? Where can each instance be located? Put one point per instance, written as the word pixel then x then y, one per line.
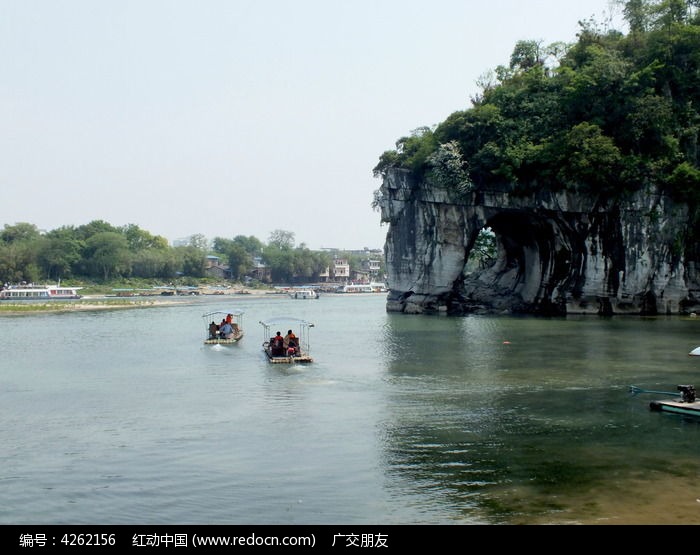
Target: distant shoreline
pixel 8 308
pixel 104 302
pixel 119 302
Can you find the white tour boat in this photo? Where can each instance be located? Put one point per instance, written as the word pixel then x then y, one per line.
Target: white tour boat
pixel 355 288
pixel 303 294
pixel 39 293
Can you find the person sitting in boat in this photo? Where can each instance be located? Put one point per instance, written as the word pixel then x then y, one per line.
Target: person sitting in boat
pixel 277 345
pixel 213 330
pixel 229 318
pixel 289 338
pixel 226 331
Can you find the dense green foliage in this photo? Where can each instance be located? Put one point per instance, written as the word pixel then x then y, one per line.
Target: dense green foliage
pixel 101 252
pixel 609 114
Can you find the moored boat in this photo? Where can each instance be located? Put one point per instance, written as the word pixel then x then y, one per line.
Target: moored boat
pixel 677 407
pixel 292 347
pixel 223 327
pixel 40 293
pixel 298 293
pixel 355 288
pixel 685 401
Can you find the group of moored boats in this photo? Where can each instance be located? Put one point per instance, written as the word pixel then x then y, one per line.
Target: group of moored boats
pixel 312 292
pixel 293 348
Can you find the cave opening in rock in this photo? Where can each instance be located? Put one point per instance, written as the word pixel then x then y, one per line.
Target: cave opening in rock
pixel 515 262
pixel 501 249
pixel 483 252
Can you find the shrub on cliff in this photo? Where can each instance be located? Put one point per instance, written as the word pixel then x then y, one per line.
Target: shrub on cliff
pixel 610 113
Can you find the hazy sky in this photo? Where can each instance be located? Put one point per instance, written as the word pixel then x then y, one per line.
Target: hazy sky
pixel 237 117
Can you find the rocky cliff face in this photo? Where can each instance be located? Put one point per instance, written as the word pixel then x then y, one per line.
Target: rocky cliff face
pixel 558 253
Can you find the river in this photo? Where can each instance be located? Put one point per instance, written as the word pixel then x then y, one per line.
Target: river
pixel 126 417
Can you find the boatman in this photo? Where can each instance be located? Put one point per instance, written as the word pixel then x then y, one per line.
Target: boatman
pixel 290 343
pixel 289 337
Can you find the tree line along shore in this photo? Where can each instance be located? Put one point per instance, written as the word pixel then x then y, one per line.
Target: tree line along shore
pixel 99 252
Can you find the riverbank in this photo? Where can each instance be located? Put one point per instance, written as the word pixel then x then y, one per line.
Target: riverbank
pixel 117 302
pixel 132 299
pixel 29 307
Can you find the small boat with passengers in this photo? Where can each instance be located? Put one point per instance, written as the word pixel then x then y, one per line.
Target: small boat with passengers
pixel 39 293
pixel 223 327
pixel 286 340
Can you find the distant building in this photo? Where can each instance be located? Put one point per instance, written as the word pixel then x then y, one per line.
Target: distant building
pixel 214 268
pixel 372 266
pixel 182 242
pixel 360 276
pixel 369 260
pixel 260 271
pixel 340 269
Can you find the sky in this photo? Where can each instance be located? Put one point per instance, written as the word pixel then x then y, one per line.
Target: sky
pixel 238 117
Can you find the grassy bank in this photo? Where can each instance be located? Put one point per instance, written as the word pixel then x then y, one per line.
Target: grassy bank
pixel 30 307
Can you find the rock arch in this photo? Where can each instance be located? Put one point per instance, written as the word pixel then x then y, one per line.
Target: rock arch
pixel 558 252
